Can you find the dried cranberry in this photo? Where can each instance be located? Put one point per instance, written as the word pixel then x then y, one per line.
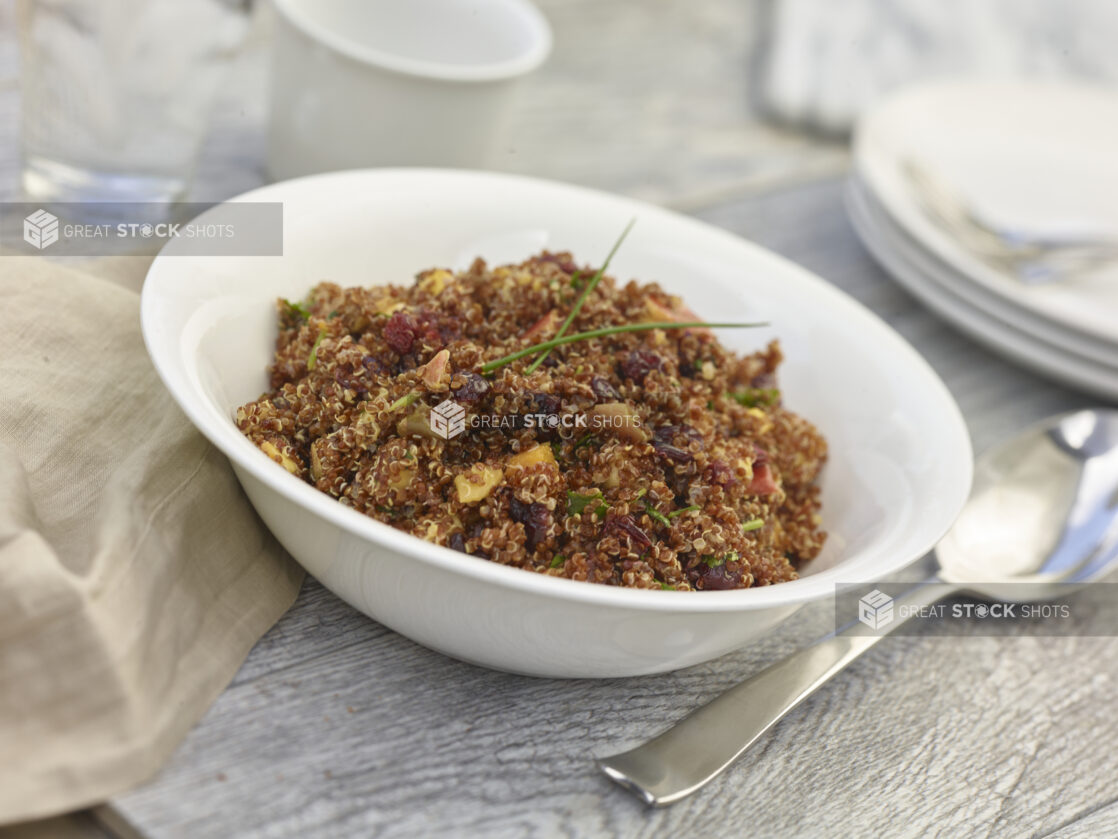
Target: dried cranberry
pixel 400 332
pixel 672 453
pixel 351 379
pixel 760 456
pixel 474 532
pixel 457 542
pixel 435 330
pixel 547 403
pixel 473 388
pixel 604 390
pixel 639 363
pixel 616 525
pixel 374 366
pixel 728 575
pixel 719 473
pixel 535 517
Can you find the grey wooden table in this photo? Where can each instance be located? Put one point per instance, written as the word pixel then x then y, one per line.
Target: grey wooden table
pixel 337 727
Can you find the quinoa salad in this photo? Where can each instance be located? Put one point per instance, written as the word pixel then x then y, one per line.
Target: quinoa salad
pixel 652 458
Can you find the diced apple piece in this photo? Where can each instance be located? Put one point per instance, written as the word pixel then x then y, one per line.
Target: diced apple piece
pixel 537 454
pixel 402 480
pixel 433 370
pixel 433 282
pixel 278 456
pixel 476 483
pixel 387 305
pixel 316 462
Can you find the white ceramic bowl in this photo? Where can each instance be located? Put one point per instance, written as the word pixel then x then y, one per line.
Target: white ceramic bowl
pixel 396 82
pixel 900 465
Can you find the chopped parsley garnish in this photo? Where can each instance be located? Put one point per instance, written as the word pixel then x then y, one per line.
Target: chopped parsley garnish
pixel 404 401
pixel 667 587
pixel 753 524
pixel 715 561
pixel 690 509
pixel 757 396
pixel 656 515
pixel 577 502
pixel 312 359
pixel 559 560
pixel 299 310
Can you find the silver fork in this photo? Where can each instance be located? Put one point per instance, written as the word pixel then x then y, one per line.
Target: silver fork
pixel 1026 255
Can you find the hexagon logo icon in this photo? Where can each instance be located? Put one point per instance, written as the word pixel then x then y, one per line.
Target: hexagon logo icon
pixel 40 229
pixel 875 610
pixel 448 419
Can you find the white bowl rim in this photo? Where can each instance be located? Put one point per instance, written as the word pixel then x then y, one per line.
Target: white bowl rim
pixel 248 457
pixel 531 58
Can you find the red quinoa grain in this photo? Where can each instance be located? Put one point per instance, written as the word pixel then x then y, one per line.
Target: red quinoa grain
pixel 709 483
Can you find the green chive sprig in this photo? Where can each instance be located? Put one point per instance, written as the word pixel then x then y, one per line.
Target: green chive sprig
pixel 590 286
pixel 490 366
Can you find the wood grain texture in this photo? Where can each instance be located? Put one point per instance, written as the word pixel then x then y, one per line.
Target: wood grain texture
pixel 1095 823
pixel 338 727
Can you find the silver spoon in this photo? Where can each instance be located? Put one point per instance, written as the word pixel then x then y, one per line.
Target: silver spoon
pixel 1043 511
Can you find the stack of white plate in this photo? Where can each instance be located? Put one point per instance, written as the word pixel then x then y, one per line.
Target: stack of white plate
pixel 1038 159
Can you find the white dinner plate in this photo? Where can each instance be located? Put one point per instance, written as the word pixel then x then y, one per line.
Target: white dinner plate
pixel 1034 154
pixel 900 458
pixel 935 285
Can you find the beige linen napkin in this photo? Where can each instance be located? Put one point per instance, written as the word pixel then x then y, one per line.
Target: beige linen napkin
pixel 134 575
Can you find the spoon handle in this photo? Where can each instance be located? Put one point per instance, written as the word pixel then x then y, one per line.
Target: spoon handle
pixel 696 749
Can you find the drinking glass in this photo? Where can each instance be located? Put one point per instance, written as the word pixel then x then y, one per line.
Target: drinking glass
pixel 116 94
